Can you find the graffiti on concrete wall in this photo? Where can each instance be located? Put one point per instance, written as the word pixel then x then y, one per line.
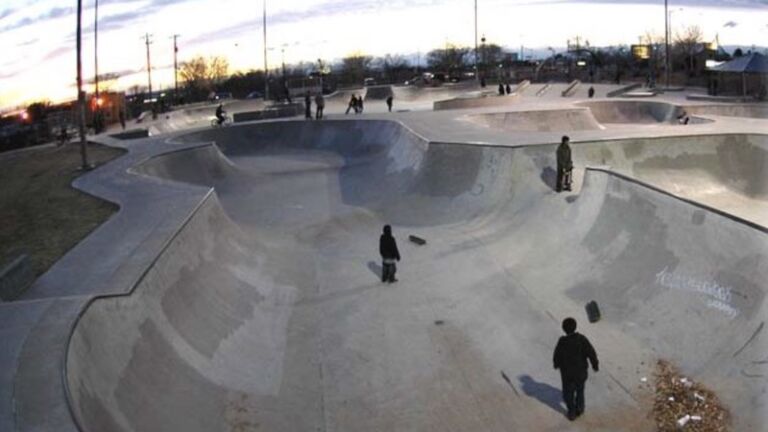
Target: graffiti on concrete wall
pixel 716 296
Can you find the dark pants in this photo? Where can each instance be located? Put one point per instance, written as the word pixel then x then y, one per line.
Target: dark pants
pixel 319 112
pixel 563 179
pixel 388 272
pixel 573 395
pixel 308 112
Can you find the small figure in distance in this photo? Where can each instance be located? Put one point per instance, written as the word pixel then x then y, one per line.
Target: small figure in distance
pixel 320 103
pixel 389 255
pixel 501 89
pixel 307 106
pixel 121 116
pixel 352 104
pixel 360 104
pixel 683 118
pixel 591 92
pixel 220 114
pixel 63 136
pixel 571 355
pixel 564 165
pixel 509 89
pixel 389 102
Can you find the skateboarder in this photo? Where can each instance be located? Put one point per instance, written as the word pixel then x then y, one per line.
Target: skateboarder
pixel 307 106
pixel 359 104
pixel 352 104
pixel 389 255
pixel 508 89
pixel 501 89
pixel 320 103
pixel 389 102
pixel 591 92
pixel 564 165
pixel 571 355
pixel 220 114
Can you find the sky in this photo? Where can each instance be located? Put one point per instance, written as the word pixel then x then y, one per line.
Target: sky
pixel 37 37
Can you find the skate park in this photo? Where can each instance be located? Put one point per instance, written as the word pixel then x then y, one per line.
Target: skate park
pixel 238 286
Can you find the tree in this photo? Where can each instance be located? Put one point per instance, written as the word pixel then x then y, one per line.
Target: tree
pixel 686 43
pixel 200 75
pixel 738 53
pixel 448 59
pixel 394 67
pixel 355 67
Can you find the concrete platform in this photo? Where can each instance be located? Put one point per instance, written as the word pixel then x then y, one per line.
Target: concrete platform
pixel 238 287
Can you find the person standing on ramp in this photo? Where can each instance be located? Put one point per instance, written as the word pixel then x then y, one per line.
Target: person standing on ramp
pixel 571 355
pixel 320 103
pixel 389 255
pixel 389 102
pixel 564 165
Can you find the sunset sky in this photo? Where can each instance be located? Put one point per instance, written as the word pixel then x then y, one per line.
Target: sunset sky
pixel 37 37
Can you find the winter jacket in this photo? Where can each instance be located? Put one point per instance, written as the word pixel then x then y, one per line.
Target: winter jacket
pixel 388 247
pixel 571 355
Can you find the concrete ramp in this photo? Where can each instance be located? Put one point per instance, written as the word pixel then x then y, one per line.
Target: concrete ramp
pixel 539 121
pixel 634 112
pixel 379 92
pixel 266 312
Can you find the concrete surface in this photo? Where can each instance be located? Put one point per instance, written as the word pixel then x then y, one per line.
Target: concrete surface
pixel 238 287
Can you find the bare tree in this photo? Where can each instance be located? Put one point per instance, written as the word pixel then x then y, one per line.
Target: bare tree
pixel 200 75
pixel 394 67
pixel 450 58
pixel 686 44
pixel 355 67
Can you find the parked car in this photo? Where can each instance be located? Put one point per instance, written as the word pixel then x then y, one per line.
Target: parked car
pixel 369 82
pixel 254 95
pixel 222 95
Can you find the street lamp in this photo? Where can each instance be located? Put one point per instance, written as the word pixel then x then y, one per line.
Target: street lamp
pixel 266 69
pixel 477 72
pixel 80 94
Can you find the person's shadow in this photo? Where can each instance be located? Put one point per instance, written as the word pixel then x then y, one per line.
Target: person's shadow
pixel 375 268
pixel 543 392
pixel 549 177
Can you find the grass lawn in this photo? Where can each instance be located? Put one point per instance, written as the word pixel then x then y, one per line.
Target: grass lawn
pixel 41 214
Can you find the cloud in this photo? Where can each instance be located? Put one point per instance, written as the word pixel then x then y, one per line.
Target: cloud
pixel 57 12
pixel 730 24
pixel 6 12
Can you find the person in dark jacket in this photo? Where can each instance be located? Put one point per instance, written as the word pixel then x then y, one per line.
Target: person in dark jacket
pixel 564 165
pixel 307 106
pixel 501 89
pixel 508 88
pixel 359 104
pixel 389 255
pixel 352 104
pixel 571 355
pixel 320 103
pixel 390 99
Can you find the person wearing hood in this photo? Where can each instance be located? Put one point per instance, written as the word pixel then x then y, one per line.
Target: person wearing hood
pixel 389 255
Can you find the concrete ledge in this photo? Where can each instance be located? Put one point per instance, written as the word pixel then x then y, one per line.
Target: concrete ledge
pixel 281 111
pixel 475 102
pixel 15 278
pixel 131 134
pixel 623 90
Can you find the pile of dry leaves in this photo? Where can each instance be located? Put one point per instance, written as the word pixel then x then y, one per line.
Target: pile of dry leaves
pixel 683 405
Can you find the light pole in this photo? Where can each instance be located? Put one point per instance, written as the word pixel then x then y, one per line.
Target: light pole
pixel 80 94
pixel 175 69
pixel 666 42
pixel 477 71
pixel 96 49
pixel 266 69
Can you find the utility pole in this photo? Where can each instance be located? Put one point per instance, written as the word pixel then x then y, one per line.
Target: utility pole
pixel 666 42
pixel 477 71
pixel 149 65
pixel 266 70
pixel 175 69
pixel 80 94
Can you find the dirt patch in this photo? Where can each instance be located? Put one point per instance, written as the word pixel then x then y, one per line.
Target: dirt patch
pixel 41 214
pixel 684 405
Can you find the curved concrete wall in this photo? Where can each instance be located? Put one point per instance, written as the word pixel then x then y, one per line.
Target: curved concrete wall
pixel 227 330
pixel 539 121
pixel 633 111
